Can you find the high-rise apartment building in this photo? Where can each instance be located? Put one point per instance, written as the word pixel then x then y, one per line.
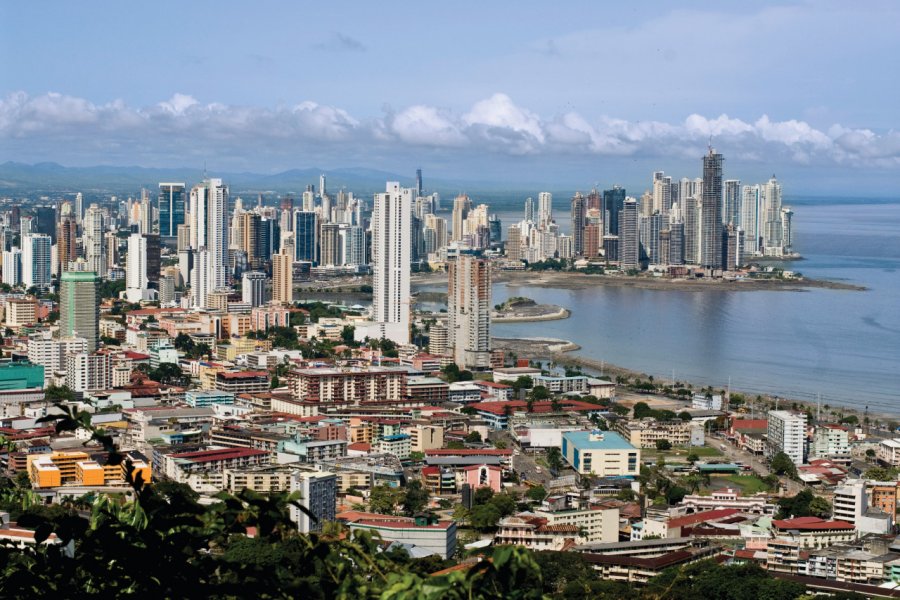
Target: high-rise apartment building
pixel 545 208
pixel 750 218
pixel 253 288
pixel 283 277
pixel 171 208
pixel 209 239
pixel 613 201
pixel 12 266
pixel 578 221
pixel 731 207
pixel 306 237
pixel 92 239
pixel 66 242
pixel 711 254
pixel 79 307
pixel 469 311
pixel 136 282
pixel 391 258
pixel 629 236
pixel 787 433
pixel 36 260
pixel 461 207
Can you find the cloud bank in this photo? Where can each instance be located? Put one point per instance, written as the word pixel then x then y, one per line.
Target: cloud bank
pixel 182 128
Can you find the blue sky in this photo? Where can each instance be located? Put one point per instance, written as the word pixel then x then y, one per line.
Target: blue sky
pixel 570 94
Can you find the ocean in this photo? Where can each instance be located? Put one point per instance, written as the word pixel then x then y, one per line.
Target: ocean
pixel 842 346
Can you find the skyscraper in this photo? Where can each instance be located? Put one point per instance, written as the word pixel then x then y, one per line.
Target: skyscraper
pixel 613 201
pixel 282 277
pixel 545 208
pixel 209 239
pixel 461 207
pixel 391 257
pixel 306 237
pixel 66 242
pixel 79 208
pixel 529 210
pixel 732 205
pixel 79 307
pixel 750 218
pixel 12 266
pixel 93 230
pixel 578 215
pixel 629 236
pixel 171 208
pixel 36 260
pixel 469 311
pixel 419 189
pixel 711 212
pixel 136 282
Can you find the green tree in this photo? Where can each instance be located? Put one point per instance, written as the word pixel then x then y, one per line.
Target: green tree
pixel 58 393
pixel 692 457
pixel 485 517
pixel 536 494
pixel 415 498
pixel 383 499
pixel 473 437
pixel 783 465
pixel 663 445
pixel 539 392
pixel 554 459
pixel 642 410
pixel 684 415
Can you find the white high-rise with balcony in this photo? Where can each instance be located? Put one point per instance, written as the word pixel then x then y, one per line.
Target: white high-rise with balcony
pixel 391 232
pixel 787 433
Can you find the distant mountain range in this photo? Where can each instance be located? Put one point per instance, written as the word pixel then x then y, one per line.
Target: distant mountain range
pixel 19 179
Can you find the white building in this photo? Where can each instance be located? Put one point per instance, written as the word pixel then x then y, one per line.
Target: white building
pixel 832 442
pixel 209 239
pixel 889 453
pixel 319 494
pixel 787 433
pixel 253 288
pixel 51 353
pixel 391 255
pixel 86 372
pixel 136 282
pixel 92 239
pixel 12 267
pixel 36 260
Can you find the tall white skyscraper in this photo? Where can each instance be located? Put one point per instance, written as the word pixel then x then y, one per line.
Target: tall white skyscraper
pixel 209 239
pixel 94 228
pixel 79 208
pixel 469 311
pixel 36 260
pixel 12 266
pixel 750 218
pixel 545 208
pixel 772 231
pixel 391 233
pixel 136 268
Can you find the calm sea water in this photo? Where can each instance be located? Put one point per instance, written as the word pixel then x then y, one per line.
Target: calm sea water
pixel 843 345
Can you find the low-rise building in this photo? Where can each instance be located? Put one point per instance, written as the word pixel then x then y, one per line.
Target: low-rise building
pixel 644 433
pixel 813 532
pixel 398 445
pixel 535 533
pixel 201 399
pixel 600 453
pixel 888 453
pixel 242 382
pixel 757 504
pixel 426 533
pixel 832 442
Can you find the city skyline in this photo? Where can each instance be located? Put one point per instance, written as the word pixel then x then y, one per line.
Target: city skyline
pixel 594 117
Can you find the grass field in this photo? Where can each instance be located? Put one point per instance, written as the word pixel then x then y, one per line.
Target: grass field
pixel 679 454
pixel 749 484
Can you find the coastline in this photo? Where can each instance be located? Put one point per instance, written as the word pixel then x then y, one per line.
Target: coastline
pixel 569 280
pixel 563 352
pixel 551 312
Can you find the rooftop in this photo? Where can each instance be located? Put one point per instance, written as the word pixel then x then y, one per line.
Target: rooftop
pixel 811 524
pixel 605 440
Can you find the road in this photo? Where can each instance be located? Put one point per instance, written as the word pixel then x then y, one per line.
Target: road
pixel 755 462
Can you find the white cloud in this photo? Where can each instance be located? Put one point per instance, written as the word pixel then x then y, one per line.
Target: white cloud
pixel 183 127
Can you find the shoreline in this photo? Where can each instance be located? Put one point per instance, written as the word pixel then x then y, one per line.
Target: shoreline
pixel 562 352
pixel 568 280
pixel 556 315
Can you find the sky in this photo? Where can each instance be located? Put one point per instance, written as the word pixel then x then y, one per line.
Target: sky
pixel 573 94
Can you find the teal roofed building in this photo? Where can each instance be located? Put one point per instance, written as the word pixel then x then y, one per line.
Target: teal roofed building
pixel 600 453
pixel 21 376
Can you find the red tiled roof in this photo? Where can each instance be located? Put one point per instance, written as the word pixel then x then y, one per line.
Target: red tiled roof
pixel 476 467
pixel 135 355
pixel 811 524
pixel 499 407
pixel 360 446
pixel 701 517
pixel 469 452
pixel 242 374
pixel 749 424
pixel 220 454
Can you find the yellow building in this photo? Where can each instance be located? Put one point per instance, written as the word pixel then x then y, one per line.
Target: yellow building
pixel 79 468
